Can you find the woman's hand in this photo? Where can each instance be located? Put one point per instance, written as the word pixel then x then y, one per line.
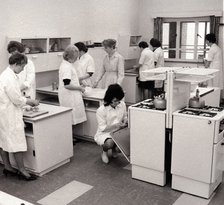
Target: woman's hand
pixel 32 102
pixel 95 84
pixel 82 89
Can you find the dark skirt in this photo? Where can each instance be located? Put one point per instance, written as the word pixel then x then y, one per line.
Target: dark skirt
pixel 147 84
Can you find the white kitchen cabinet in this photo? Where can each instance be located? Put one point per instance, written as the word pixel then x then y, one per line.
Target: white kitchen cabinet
pixel 127 46
pixel 46 53
pixel 147 141
pixel 197 151
pixel 49 146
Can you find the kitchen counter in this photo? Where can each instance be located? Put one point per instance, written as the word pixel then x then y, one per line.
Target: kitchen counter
pixel 48 145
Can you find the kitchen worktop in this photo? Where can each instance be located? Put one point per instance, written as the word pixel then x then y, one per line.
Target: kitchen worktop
pixel 51 110
pixel 131 71
pixel 96 93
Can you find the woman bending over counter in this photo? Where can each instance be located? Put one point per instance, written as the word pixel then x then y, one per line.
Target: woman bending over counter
pixel 70 91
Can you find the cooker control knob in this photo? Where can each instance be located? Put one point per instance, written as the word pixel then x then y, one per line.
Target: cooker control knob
pixel 209 122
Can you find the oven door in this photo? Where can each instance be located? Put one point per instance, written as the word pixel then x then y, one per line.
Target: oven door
pixel 218 160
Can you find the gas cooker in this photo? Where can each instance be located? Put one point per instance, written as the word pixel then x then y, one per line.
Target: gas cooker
pixel 207 111
pixel 146 104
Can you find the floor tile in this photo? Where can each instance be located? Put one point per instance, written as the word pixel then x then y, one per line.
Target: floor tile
pixel 66 194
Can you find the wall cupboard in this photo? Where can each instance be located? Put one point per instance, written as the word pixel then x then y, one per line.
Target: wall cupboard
pixel 46 53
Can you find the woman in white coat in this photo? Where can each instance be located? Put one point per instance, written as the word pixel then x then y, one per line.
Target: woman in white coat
pixel 27 76
pixel 113 65
pixel 86 65
pixel 214 60
pixel 110 116
pixel 12 135
pixel 70 91
pixel 159 62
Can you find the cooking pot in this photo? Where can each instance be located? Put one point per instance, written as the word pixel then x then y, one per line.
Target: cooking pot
pixel 160 102
pixel 196 102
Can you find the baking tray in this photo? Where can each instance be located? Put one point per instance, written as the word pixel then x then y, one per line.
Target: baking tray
pixel 32 114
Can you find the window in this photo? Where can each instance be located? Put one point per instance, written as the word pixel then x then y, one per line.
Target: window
pixel 184 38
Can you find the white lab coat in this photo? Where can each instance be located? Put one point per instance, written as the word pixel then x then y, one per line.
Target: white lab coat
pixel 71 98
pixel 86 65
pixel 147 62
pixel 27 78
pixel 106 115
pixel 112 70
pixel 12 135
pixel 159 57
pixel 215 56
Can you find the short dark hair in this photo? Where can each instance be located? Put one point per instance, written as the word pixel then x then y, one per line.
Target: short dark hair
pixel 81 46
pixel 15 46
pixel 210 38
pixel 113 91
pixel 143 44
pixel 155 42
pixel 109 43
pixel 18 59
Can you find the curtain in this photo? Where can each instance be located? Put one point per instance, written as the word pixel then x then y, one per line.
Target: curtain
pixel 214 26
pixel 158 28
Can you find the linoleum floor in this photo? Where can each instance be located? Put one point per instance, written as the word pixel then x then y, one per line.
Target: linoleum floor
pixel 111 183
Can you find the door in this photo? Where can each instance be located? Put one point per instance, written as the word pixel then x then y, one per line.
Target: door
pixel 147 138
pixel 218 160
pixel 192 147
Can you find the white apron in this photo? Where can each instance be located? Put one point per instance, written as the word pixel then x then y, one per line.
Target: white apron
pixel 71 98
pixel 12 134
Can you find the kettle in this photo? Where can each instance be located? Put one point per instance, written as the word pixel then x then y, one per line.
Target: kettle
pixel 160 102
pixel 196 102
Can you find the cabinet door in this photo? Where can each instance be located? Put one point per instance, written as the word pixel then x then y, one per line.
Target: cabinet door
pixel 30 155
pixel 147 132
pixel 90 126
pixel 192 147
pixel 218 160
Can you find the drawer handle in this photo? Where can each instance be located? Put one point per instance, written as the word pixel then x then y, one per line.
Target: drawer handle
pixel 34 153
pixel 222 143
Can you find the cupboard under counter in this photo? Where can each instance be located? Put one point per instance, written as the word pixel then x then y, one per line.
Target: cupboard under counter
pixel 92 101
pixel 48 145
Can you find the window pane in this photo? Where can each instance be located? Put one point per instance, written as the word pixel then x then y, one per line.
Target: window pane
pixel 187 35
pixel 166 28
pixel 187 55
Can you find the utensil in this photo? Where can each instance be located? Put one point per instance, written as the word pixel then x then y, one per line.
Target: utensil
pixel 160 102
pixel 196 102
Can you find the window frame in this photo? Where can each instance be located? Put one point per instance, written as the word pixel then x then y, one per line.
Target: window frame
pixel 178 49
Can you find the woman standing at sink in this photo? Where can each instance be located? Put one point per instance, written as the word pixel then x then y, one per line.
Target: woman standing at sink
pixel 70 91
pixel 146 62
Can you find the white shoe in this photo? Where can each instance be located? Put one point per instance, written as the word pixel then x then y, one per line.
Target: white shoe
pixel 104 157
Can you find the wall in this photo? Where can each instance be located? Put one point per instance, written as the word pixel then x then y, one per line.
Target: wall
pixel 174 8
pixel 80 19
